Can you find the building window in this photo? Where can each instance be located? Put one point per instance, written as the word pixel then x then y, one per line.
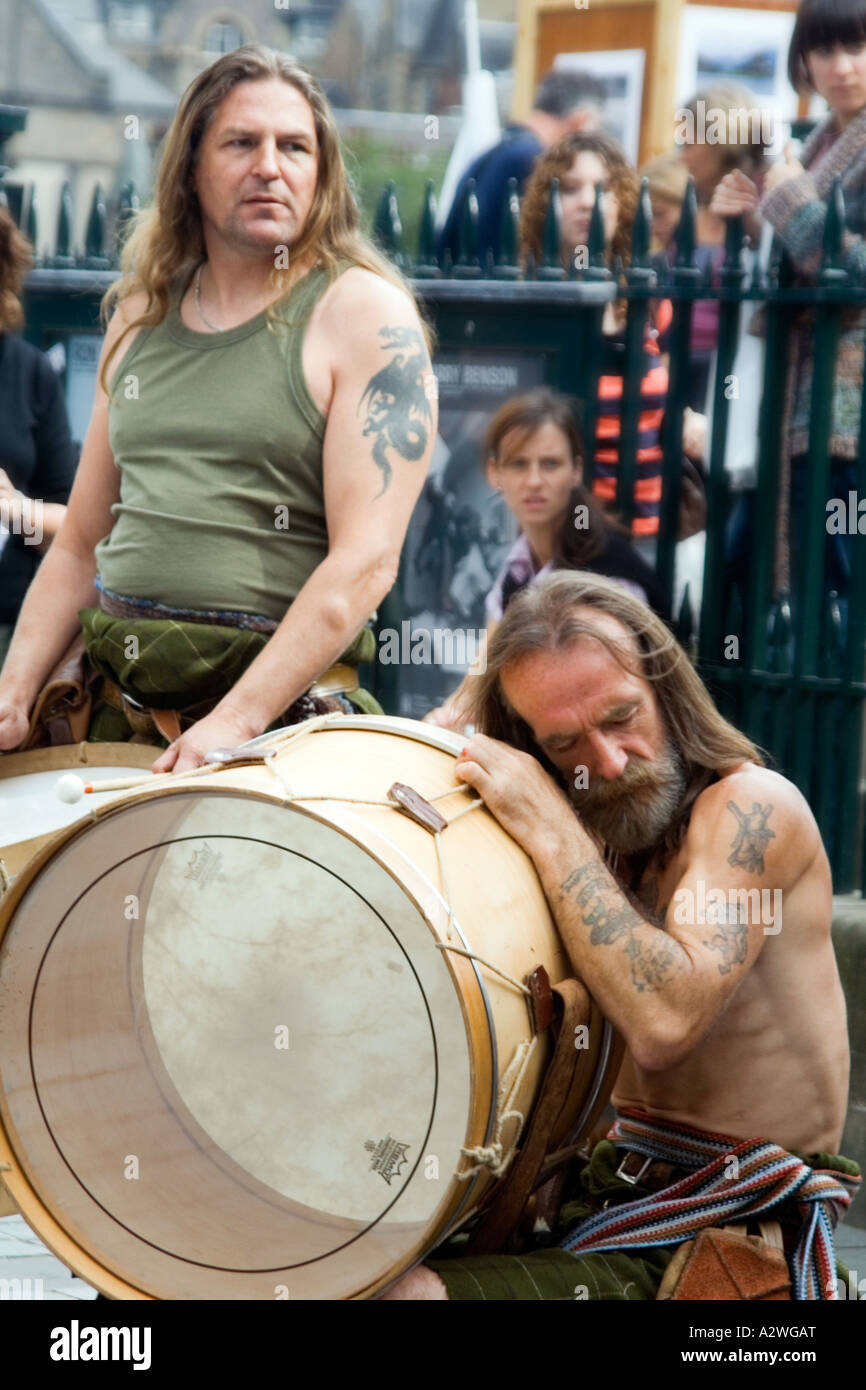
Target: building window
pixel 222 37
pixel 130 21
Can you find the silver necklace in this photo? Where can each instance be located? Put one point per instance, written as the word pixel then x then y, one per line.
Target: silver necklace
pixel 197 296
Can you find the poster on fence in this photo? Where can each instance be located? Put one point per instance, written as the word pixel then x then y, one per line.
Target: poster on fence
pixel 459 533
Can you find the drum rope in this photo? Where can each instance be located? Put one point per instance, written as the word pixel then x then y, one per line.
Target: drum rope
pixel 470 955
pixel 490 1155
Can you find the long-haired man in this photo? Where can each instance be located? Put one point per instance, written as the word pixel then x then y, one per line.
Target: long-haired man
pixel 692 893
pixel 264 416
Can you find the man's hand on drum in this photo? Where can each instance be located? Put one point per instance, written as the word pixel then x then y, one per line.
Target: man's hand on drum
pixel 216 730
pixel 14 724
pixel 514 787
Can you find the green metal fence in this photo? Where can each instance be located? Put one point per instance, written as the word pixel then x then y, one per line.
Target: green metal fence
pixel 793 677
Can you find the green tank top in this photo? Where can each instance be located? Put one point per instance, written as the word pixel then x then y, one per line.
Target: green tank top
pixel 219 446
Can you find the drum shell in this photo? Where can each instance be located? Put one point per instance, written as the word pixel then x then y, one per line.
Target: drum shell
pixel 500 913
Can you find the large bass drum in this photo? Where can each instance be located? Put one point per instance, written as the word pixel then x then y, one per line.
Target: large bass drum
pixel 263 1030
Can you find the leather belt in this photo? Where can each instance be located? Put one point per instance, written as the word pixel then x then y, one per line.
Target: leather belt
pixel 142 719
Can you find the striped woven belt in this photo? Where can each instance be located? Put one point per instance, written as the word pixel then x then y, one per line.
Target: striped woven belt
pixel 764 1176
pixel 339 679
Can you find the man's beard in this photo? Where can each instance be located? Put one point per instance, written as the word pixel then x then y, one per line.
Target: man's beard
pixel 632 812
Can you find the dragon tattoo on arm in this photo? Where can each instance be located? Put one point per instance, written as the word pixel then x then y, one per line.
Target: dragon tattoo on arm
pixel 396 401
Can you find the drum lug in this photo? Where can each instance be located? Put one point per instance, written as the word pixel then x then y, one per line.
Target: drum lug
pixel 241 754
pixel 540 999
pixel 413 805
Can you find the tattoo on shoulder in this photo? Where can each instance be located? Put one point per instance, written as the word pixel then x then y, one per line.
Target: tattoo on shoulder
pixel 396 400
pixel 611 918
pixel 752 837
pixel 731 940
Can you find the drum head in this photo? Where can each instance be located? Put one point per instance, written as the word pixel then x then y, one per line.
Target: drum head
pixel 235 1065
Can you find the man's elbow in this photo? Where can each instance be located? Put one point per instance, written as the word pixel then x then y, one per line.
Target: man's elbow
pixel 662 1045
pixel 377 574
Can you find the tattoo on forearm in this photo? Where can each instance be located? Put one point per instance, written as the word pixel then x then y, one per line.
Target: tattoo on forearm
pixel 610 918
pixel 398 410
pixel 607 921
pixel 650 963
pixel 752 837
pixel 731 940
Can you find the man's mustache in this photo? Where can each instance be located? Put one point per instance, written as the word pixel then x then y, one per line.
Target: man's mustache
pixel 636 775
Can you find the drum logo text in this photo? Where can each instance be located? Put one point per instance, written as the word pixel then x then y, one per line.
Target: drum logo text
pixel 204 864
pixel 387 1158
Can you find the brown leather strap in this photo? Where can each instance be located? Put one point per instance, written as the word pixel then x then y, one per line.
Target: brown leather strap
pixel 167 722
pixel 500 1218
pixel 61 711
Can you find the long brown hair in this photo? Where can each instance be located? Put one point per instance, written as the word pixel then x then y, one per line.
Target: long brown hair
pixel 544 617
pixel 16 257
pixel 622 180
pixel 574 546
pixel 166 242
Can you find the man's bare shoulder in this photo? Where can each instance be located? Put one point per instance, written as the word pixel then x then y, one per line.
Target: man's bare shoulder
pixel 759 821
pixel 359 299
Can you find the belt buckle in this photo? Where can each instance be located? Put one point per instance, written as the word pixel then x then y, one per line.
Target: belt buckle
pixel 633 1179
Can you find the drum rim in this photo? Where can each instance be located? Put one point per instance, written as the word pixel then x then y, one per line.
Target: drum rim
pixel 445 739
pixel 74 755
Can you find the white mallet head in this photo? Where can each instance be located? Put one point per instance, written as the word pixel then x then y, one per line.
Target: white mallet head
pixel 69 788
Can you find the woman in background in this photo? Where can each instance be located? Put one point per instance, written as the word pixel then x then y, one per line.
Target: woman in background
pixel 580 162
pixel 533 457
pixel 37 455
pixel 740 134
pixel 827 55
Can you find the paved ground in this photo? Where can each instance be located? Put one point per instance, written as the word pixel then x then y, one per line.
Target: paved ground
pixel 23 1256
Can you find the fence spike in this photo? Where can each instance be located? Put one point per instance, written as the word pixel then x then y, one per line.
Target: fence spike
pixel 641 230
pixel 94 239
pixel 468 265
pixel 128 204
pixel 387 225
pixel 685 233
pixel 427 267
pixel 551 240
pixel 63 243
pixel 508 267
pixel 598 268
pixel 31 221
pixel 780 641
pixel 833 643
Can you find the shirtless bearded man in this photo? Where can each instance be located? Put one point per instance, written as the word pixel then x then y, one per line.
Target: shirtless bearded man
pixel 263 421
pixel 733 1016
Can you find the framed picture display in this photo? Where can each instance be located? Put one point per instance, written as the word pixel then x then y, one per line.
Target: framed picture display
pixel 748 46
pixel 622 72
